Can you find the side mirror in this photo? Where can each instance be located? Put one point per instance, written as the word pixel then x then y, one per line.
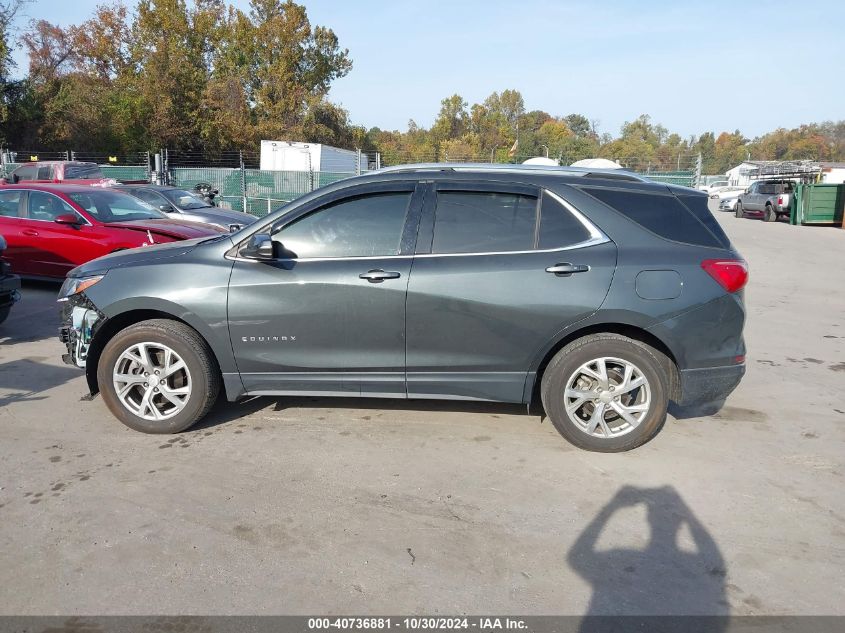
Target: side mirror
pixel 166 208
pixel 68 218
pixel 260 246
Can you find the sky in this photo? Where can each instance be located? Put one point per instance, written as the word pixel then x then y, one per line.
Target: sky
pixel 693 66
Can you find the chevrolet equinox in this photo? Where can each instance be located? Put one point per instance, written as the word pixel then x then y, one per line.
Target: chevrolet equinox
pixel 600 294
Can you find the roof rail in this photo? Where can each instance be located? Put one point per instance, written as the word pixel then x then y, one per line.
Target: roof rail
pixel 610 174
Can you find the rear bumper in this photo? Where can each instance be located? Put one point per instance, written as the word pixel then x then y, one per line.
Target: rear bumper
pixel 703 386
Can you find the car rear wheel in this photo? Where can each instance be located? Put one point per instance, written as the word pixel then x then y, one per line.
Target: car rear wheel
pixel 739 212
pixel 4 313
pixel 770 214
pixel 606 392
pixel 158 376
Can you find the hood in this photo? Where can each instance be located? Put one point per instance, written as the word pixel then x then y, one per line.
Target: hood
pixel 223 216
pixel 140 255
pixel 180 229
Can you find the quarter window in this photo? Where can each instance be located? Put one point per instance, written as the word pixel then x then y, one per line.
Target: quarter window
pixel 661 214
pixel 484 222
pixel 46 206
pixel 558 227
pixel 365 226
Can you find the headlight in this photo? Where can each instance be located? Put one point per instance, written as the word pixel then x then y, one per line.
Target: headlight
pixel 75 285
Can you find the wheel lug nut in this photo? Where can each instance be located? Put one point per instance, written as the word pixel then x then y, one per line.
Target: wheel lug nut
pixel 612 388
pixel 145 374
pixel 146 384
pixel 155 390
pixel 161 383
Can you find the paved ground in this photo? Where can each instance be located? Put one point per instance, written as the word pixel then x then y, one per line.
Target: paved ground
pixel 320 505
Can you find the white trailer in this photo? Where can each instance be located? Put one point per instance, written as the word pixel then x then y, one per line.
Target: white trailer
pixel 292 156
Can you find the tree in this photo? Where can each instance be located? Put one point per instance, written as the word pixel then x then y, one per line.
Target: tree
pixel 452 121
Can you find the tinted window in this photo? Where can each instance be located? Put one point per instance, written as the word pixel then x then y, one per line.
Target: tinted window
pixel 150 197
pixel 45 173
pixel 663 215
pixel 9 203
pixel 111 206
pixel 185 199
pixel 558 227
pixel 79 172
pixel 698 206
pixel 483 222
pixel 46 206
pixel 24 173
pixel 366 226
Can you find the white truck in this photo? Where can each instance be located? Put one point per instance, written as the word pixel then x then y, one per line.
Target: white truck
pixel 310 157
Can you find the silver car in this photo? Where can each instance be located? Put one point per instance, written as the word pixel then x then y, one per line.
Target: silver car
pixel 188 205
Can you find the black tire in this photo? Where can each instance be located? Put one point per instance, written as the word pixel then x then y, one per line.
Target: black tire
pixel 653 365
pixel 739 212
pixel 4 313
pixel 770 215
pixel 194 351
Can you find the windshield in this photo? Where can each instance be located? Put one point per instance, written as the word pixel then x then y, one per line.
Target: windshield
pixel 80 172
pixel 184 199
pixel 113 206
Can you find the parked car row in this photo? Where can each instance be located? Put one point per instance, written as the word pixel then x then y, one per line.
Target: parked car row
pixel 766 199
pixel 56 215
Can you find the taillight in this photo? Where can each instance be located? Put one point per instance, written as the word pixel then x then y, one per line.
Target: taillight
pixel 780 201
pixel 731 274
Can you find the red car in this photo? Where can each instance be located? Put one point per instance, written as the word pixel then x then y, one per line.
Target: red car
pixel 50 229
pixel 59 171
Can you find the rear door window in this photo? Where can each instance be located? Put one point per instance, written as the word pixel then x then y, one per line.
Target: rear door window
pixel 484 222
pixel 662 214
pixel 9 203
pixel 45 173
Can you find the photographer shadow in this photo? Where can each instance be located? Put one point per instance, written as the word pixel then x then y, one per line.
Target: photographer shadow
pixel 679 572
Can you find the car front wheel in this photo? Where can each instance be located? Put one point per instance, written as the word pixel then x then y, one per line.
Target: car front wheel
pixel 606 392
pixel 158 376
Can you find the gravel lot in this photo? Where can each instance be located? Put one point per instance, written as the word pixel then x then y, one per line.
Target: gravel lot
pixel 302 506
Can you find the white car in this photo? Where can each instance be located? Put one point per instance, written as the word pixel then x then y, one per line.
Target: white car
pixel 713 186
pixel 728 197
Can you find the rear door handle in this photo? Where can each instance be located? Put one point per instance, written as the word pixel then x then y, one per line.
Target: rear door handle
pixel 377 276
pixel 30 232
pixel 564 270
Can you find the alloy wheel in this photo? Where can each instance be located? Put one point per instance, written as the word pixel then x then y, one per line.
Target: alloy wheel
pixel 607 397
pixel 152 381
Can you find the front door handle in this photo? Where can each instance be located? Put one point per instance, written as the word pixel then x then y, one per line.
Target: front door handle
pixel 378 276
pixel 30 232
pixel 564 270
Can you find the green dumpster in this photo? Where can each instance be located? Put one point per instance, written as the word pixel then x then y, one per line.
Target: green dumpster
pixel 817 204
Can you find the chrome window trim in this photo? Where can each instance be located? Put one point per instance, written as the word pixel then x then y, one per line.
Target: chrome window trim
pixel 596 237
pixel 50 193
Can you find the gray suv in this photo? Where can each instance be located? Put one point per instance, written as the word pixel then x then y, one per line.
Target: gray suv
pixel 599 294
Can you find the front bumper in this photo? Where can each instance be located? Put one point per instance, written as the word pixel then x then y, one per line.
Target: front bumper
pixel 703 386
pixel 80 321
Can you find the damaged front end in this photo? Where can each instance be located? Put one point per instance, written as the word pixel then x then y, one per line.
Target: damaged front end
pixel 80 322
